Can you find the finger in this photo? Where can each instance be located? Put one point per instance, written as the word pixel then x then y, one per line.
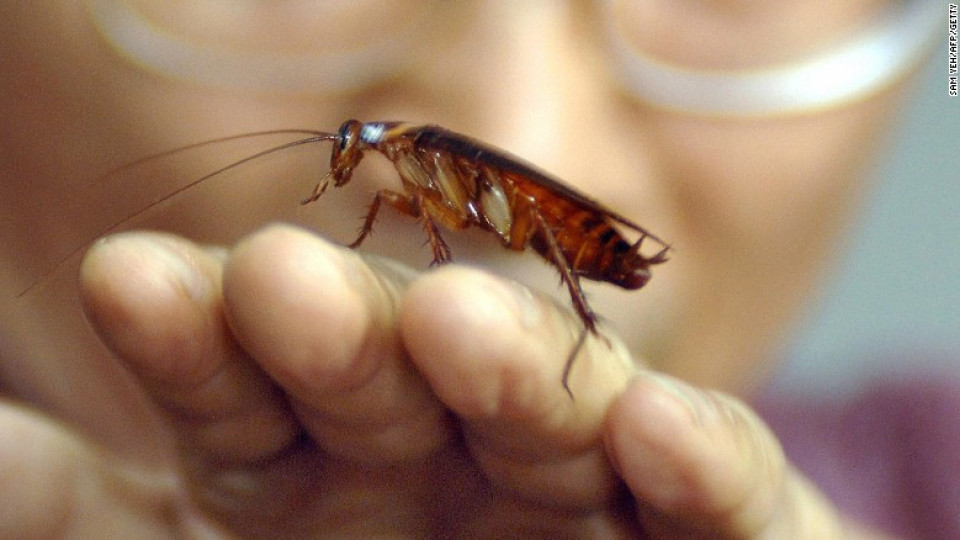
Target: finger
pixel 52 486
pixel 495 354
pixel 702 463
pixel 156 301
pixel 322 322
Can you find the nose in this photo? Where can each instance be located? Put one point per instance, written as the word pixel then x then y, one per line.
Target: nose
pixel 519 77
pixel 525 90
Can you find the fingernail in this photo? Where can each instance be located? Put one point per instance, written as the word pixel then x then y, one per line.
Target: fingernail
pixel 175 264
pixel 527 308
pixel 691 398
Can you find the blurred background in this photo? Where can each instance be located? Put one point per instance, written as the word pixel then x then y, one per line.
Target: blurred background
pixel 893 302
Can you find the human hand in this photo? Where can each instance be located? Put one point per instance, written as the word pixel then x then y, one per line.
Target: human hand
pixel 313 391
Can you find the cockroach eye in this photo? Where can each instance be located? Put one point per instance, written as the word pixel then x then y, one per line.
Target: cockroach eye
pixel 345 135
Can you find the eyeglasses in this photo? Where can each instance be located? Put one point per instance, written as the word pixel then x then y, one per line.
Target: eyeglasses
pixel 342 48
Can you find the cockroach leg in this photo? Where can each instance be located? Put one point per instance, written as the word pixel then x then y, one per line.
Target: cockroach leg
pixel 408 205
pixel 570 358
pixel 318 190
pixel 403 203
pixel 587 315
pixel 441 252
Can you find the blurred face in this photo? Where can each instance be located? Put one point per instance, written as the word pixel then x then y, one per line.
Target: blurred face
pixel 752 206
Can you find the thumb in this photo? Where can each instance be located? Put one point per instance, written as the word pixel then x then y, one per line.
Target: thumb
pixel 701 463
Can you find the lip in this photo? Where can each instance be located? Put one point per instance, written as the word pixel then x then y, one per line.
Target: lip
pixel 339 58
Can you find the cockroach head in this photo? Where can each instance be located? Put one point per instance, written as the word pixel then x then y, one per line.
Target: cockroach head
pixel 347 152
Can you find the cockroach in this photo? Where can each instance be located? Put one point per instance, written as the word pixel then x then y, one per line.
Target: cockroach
pixel 458 182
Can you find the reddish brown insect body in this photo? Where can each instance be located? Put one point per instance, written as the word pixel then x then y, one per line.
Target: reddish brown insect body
pixel 452 180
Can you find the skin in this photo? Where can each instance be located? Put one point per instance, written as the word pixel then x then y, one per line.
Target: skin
pixel 280 384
